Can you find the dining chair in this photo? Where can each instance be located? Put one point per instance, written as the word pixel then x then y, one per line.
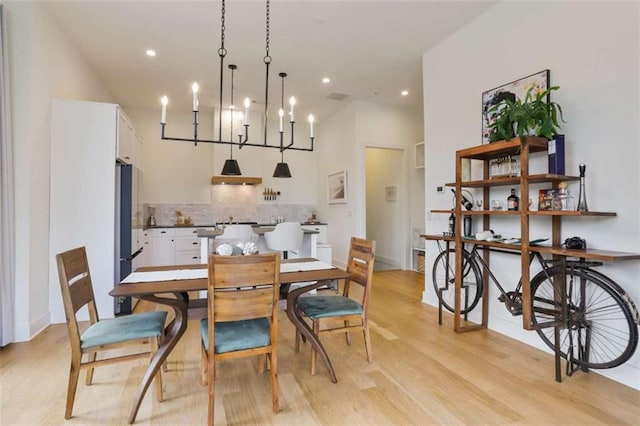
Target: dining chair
pixel 242 316
pixel 286 236
pixel 101 335
pixel 352 313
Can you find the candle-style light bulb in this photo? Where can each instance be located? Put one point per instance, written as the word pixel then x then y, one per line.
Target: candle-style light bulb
pixel 311 120
pixel 292 102
pixel 281 115
pixel 240 116
pixel 164 101
pixel 247 103
pixel 195 89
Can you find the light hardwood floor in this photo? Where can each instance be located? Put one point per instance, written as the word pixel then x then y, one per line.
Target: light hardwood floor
pixel 422 374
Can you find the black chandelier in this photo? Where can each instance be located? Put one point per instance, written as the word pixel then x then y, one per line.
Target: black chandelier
pixel 231 166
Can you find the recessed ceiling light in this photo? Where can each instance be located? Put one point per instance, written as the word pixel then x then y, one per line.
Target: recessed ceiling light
pixel 151 52
pixel 405 93
pixel 326 80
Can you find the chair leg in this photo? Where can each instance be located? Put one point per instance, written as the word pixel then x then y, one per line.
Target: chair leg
pixel 203 365
pixel 275 388
pixel 165 364
pixel 297 345
pixel 89 378
pixel 346 333
pixel 212 387
pixel 261 362
pixel 314 354
pixel 157 380
pixel 74 375
pixel 367 342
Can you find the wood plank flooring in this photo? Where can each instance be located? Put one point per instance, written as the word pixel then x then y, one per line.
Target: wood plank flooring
pixel 422 374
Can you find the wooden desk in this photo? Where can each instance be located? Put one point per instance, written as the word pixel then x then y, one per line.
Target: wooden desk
pixel 157 292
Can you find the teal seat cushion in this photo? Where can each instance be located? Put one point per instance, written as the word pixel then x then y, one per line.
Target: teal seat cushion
pixel 237 335
pixel 316 307
pixel 121 329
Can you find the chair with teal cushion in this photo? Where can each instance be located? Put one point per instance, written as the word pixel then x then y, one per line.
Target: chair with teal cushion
pixel 101 335
pixel 352 312
pixel 242 316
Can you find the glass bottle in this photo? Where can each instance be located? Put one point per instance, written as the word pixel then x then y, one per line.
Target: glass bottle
pixel 513 201
pixel 582 197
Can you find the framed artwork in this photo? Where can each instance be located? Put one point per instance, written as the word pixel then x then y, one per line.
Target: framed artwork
pixel 515 90
pixel 337 188
pixel 390 193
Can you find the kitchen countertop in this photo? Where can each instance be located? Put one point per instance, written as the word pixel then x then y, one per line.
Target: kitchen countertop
pixel 258 229
pixel 254 224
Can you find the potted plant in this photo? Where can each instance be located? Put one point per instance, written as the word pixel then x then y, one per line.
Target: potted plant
pixel 536 115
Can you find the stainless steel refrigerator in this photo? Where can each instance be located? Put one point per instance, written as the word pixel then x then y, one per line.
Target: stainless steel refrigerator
pixel 128 229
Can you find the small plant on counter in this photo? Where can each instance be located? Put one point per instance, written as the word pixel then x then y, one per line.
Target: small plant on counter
pixel 536 115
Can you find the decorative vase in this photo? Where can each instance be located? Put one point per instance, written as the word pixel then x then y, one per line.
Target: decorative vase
pixel 582 198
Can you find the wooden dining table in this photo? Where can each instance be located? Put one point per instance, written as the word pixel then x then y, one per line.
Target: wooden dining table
pixel 174 293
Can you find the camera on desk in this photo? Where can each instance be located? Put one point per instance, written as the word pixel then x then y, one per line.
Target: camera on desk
pixel 575 243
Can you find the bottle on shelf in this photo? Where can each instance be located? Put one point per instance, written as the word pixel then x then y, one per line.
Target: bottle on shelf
pixel 452 223
pixel 467 225
pixel 464 200
pixel 513 202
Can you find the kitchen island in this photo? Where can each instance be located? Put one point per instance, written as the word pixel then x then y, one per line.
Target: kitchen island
pixel 308 249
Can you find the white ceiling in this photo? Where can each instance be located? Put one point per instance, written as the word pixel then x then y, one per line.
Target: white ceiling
pixel 371 50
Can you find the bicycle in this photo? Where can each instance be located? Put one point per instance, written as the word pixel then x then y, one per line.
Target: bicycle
pixel 600 329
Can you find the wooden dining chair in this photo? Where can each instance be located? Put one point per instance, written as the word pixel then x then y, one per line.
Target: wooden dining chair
pixel 343 313
pixel 101 335
pixel 242 316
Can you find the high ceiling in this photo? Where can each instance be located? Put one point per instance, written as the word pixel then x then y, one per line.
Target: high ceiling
pixel 371 50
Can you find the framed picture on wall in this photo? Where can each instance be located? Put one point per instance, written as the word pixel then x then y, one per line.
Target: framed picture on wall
pixel 515 90
pixel 337 188
pixel 390 193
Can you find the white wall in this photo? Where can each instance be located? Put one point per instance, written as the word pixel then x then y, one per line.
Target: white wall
pixel 345 136
pixel 592 51
pixel 43 64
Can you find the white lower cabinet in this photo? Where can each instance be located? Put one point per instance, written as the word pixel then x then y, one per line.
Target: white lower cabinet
pixel 187 246
pixel 174 246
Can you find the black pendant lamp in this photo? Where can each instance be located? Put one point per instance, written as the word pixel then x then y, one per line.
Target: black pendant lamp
pixel 282 171
pixel 231 168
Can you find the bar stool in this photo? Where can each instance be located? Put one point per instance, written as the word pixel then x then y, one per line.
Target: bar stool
pixel 285 237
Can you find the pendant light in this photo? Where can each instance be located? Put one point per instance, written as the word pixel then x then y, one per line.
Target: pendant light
pixel 231 167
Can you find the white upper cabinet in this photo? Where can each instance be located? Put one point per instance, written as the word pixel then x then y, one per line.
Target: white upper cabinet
pixel 126 142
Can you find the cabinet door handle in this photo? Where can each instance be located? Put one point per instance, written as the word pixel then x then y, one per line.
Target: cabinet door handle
pixel 163 232
pixel 195 244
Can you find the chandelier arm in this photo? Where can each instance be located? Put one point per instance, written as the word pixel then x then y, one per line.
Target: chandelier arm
pixel 238 144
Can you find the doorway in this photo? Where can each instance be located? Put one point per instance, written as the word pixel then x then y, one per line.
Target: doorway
pixel 386 206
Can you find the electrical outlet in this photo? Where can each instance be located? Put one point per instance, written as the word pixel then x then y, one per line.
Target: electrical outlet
pixel 440 189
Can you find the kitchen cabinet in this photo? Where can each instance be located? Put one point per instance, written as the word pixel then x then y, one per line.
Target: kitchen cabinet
pixel 322 232
pixel 82 207
pixel 125 140
pixel 186 246
pixel 174 246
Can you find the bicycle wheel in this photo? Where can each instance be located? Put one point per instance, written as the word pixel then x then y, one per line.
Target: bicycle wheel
pixel 443 275
pixel 601 331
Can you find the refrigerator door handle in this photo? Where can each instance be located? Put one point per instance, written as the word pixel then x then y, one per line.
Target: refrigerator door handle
pixel 133 256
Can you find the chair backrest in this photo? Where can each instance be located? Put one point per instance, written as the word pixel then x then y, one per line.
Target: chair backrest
pixel 286 236
pixel 77 289
pixel 242 288
pixel 360 267
pixel 238 231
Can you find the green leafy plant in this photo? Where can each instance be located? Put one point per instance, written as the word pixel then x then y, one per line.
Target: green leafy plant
pixel 533 116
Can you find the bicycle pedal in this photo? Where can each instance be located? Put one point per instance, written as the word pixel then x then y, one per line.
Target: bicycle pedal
pixel 516 311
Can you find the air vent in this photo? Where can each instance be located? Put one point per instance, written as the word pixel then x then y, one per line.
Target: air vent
pixel 337 96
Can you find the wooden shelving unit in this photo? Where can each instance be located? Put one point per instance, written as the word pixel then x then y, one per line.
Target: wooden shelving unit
pixel 522 147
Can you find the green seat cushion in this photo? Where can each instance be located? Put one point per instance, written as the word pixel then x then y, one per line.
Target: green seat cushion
pixel 316 307
pixel 121 329
pixel 237 335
